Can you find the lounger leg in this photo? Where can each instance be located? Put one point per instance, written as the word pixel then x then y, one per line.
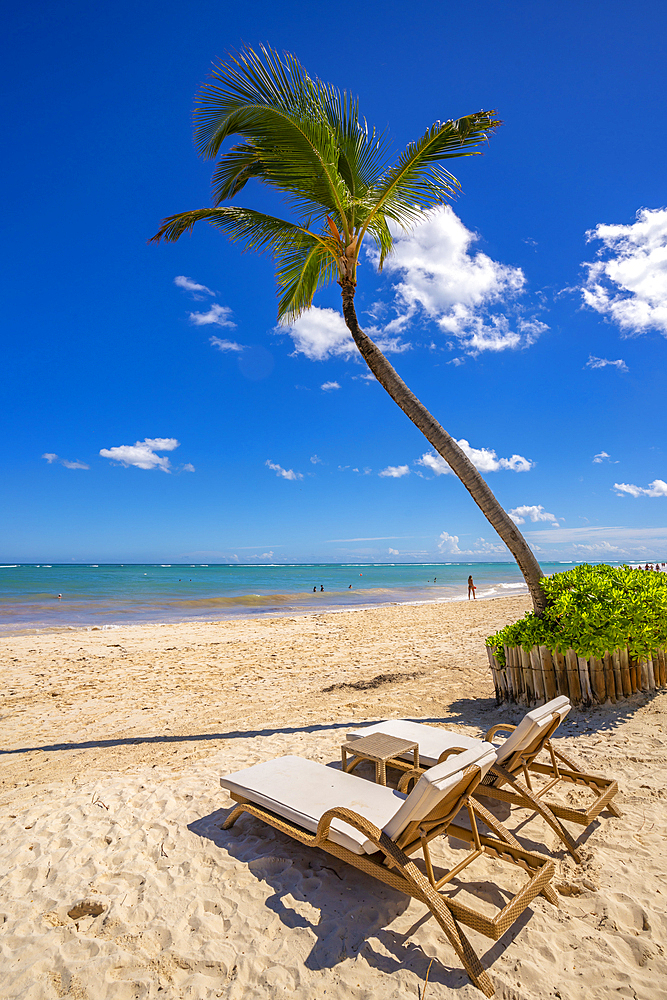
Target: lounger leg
pixel 532 801
pixel 503 834
pixel 232 818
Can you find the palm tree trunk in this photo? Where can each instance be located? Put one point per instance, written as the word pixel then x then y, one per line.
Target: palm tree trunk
pixel 447 447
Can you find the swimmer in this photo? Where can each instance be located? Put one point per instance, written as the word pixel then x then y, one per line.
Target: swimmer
pixel 321 590
pixel 60 596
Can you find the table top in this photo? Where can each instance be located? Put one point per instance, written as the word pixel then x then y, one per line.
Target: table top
pixel 379 746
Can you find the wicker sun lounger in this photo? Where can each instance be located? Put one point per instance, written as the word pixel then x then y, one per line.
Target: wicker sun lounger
pixel 516 760
pixel 376 828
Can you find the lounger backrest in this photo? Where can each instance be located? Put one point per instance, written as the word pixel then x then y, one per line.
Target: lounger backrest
pixel 531 734
pixel 438 784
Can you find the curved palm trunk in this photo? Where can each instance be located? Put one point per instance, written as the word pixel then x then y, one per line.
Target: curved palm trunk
pixel 445 445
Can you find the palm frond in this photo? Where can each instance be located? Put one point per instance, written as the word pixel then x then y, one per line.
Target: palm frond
pixel 300 272
pixel 255 230
pixel 415 182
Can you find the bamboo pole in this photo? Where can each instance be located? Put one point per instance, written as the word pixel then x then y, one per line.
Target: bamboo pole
pixel 635 674
pixel 597 679
pixel 509 673
pixel 538 684
pixel 651 672
pixel 626 673
pixel 561 672
pixel 573 680
pixel 527 672
pixel 518 673
pixel 585 681
pixel 618 680
pixel 494 675
pixel 548 673
pixel 642 666
pixel 663 667
pixel 609 677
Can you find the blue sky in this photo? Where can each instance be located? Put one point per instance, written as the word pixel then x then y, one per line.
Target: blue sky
pixel 147 419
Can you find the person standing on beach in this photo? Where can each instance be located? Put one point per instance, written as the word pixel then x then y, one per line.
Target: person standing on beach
pixel 471 589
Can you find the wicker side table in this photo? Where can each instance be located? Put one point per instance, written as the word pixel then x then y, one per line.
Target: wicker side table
pixel 382 750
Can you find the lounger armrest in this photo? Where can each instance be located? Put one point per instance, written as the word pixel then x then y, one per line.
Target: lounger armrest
pixel 352 818
pixel 414 774
pixel 447 753
pixel 501 727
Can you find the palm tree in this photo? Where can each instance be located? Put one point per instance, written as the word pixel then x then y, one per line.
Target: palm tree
pixel 305 138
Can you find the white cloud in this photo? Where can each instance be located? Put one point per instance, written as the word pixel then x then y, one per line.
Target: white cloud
pixel 188 285
pixel 594 362
pixel 225 345
pixel 215 314
pixel 484 460
pixel 141 454
pixel 73 465
pixel 533 513
pixel 50 458
pixel 449 545
pixel 322 333
pixel 188 467
pixel 316 460
pixel 602 456
pixel 395 471
pixel 328 386
pixel 284 473
pixel 319 334
pixel 629 281
pixel 456 288
pixel 658 488
pixel 393 552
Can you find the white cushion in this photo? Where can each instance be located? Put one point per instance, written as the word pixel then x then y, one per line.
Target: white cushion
pixel 302 790
pixel 432 741
pixel 532 724
pixel 436 783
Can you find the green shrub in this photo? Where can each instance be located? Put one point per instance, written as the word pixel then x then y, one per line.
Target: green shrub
pixel 592 609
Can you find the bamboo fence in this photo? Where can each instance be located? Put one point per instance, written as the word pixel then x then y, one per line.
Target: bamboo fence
pixel 534 676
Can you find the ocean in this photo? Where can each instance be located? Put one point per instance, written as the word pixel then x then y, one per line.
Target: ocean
pixel 105 595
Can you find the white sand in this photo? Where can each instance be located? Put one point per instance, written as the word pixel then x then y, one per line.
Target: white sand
pixel 111 799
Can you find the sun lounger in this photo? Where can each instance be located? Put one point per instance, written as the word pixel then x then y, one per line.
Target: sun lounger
pixel 516 759
pixel 376 828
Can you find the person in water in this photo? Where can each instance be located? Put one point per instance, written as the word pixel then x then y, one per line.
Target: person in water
pixel 321 589
pixel 471 589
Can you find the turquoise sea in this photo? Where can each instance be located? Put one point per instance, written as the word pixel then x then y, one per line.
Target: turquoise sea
pixel 105 596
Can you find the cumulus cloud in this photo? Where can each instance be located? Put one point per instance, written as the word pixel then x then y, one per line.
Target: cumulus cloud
pixel 594 362
pixel 628 283
pixel 393 552
pixel 658 488
pixel 188 285
pixel 532 513
pixel 484 460
pixel 322 333
pixel 216 314
pixel 449 545
pixel 51 458
pixel 328 386
pixel 316 460
pixel 603 456
pixel 395 471
pixel 284 473
pixel 188 467
pixel 458 289
pixel 142 454
pixel 225 345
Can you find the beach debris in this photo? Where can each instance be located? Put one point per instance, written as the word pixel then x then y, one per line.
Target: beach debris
pixel 86 908
pixel 374 682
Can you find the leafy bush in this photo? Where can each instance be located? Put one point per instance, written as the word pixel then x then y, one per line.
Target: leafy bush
pixel 592 609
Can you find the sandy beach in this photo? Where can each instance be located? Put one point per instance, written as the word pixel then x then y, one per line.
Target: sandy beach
pixel 117 882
